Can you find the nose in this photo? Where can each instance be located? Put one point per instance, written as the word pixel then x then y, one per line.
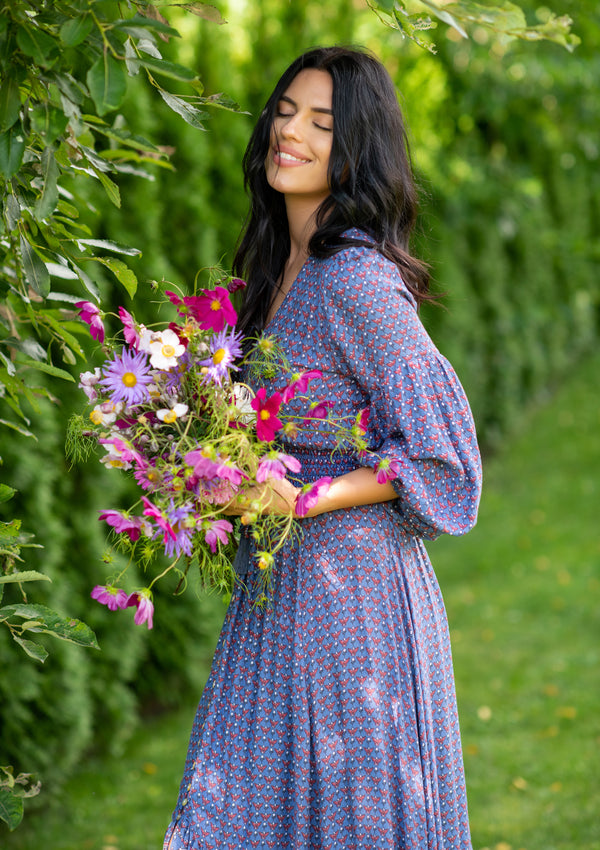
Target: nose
pixel 291 129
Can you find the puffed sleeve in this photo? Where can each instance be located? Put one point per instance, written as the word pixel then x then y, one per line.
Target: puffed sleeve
pixel 420 417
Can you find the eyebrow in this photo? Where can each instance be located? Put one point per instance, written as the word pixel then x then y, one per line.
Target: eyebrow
pixel 320 109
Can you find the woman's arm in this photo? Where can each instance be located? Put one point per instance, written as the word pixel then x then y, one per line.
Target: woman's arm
pixel 358 487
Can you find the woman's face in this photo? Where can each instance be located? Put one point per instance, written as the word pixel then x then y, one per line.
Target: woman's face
pixel 301 138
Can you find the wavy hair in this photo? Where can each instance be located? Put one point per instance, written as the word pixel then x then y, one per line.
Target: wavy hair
pixel 370 178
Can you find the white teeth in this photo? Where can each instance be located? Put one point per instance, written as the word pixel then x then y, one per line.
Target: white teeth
pixel 283 155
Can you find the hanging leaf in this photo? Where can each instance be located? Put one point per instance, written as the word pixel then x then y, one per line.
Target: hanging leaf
pixel 15 427
pixel 12 148
pixel 76 30
pixel 111 189
pixel 38 44
pixel 48 200
pixel 138 24
pixel 189 113
pixel 122 272
pixel 107 82
pixel 11 808
pixel 48 121
pixel 168 69
pixel 33 650
pixel 6 492
pixel 40 619
pixel 206 11
pixel 48 368
pixel 12 212
pixel 26 575
pixel 34 269
pixel 108 245
pixel 10 103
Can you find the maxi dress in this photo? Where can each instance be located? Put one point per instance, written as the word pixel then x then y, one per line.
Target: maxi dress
pixel 329 719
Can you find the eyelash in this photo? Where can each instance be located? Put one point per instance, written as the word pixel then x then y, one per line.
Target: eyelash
pixel 291 115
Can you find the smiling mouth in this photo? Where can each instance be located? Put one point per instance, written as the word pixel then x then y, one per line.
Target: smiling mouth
pixel 288 157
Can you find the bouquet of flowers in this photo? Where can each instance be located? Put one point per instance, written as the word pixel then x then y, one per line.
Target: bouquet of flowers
pixel 169 407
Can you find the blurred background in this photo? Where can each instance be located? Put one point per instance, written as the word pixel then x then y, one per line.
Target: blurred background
pixel 505 142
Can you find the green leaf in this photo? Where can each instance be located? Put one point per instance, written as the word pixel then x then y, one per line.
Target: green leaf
pixel 189 113
pixel 168 69
pixel 107 82
pixel 37 44
pixel 206 11
pixel 45 620
pixel 10 103
pixel 108 245
pixel 130 24
pixel 46 203
pixel 11 808
pixel 122 272
pixel 6 492
pixel 26 575
pixel 111 189
pixel 76 30
pixel 48 368
pixel 28 346
pixel 49 121
pixel 12 212
pixel 34 650
pixel 87 281
pixel 12 148
pixel 10 529
pixel 36 273
pixel 16 427
pixel 123 136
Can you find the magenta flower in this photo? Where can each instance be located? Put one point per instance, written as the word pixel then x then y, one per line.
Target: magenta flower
pixel 387 470
pixel 224 348
pixel 235 284
pixel 319 409
pixel 216 530
pixel 267 423
pixel 92 315
pixel 148 476
pixel 142 599
pixel 362 419
pixel 275 465
pixel 125 452
pixel 127 377
pixel 212 309
pixel 310 494
pixel 112 597
pixel 159 518
pixel 204 466
pixel 130 328
pixel 299 383
pixel 123 524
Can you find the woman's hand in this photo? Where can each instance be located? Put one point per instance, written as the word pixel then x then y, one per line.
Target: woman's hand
pixel 275 496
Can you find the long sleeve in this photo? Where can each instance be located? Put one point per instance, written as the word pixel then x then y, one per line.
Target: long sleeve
pixel 420 417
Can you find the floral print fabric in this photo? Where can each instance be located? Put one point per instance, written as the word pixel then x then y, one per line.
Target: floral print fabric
pixel 329 719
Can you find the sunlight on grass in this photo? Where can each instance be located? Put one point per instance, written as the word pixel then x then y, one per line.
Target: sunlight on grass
pixel 522 596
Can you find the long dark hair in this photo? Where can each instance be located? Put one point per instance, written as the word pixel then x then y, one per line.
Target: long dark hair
pixel 370 176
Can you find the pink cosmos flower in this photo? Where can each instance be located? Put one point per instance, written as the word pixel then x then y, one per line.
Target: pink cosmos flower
pixel 92 315
pixel 216 530
pixel 310 494
pixel 112 597
pixel 159 518
pixel 122 524
pixel 142 599
pixel 319 409
pixel 387 470
pixel 126 452
pixel 212 309
pixel 267 423
pixel 299 383
pixel 88 381
pixel 362 419
pixel 130 329
pixel 275 465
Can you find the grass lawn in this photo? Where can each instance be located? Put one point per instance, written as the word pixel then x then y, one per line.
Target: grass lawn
pixel 522 597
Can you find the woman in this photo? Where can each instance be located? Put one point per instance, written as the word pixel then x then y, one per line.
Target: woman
pixel 329 719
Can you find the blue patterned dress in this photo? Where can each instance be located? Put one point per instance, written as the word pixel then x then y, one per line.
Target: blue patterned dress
pixel 329 720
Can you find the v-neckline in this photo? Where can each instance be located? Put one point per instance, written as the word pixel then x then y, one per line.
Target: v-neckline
pixel 288 294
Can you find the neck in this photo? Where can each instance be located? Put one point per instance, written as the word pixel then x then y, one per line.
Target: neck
pixel 301 216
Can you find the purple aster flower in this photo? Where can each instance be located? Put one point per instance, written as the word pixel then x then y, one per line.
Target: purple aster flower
pixel 148 477
pixel 183 524
pixel 224 348
pixel 123 524
pixel 92 315
pixel 127 377
pixel 112 597
pixel 275 465
pixel 310 494
pixel 142 599
pixel 387 470
pixel 216 530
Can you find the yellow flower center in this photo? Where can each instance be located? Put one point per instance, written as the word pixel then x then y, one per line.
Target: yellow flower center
pixel 218 356
pixel 215 304
pixel 129 379
pixel 96 417
pixel 152 475
pixel 264 414
pixel 171 416
pixel 116 464
pixel 167 351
